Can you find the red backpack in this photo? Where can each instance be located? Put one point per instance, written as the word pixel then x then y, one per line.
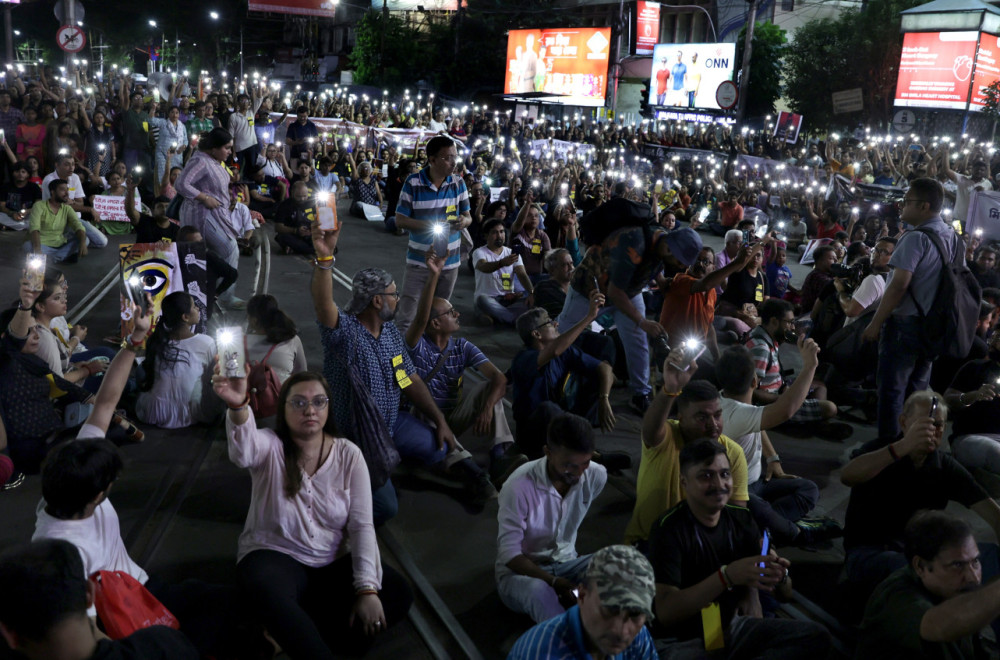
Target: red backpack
pixel 264 385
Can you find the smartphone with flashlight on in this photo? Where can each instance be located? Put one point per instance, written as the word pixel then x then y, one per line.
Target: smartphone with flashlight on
pixel 934 407
pixel 136 292
pixel 441 232
pixel 325 213
pixel 34 271
pixel 232 353
pixel 693 348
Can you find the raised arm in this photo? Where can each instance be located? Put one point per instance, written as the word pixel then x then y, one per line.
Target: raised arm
pixel 115 378
pixel 426 302
pixel 325 243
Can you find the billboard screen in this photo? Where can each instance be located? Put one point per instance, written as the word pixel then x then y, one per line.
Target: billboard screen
pixel 647 26
pixel 300 7
pixel 987 68
pixel 687 75
pixel 416 5
pixel 570 64
pixel 935 68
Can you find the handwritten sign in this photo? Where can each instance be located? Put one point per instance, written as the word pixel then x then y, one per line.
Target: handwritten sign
pixel 112 209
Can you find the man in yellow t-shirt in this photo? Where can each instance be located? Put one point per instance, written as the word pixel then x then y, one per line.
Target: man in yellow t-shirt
pixel 50 225
pixel 699 412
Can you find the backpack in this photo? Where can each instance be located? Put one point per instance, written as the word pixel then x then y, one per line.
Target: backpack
pixel 950 324
pixel 263 385
pixel 614 214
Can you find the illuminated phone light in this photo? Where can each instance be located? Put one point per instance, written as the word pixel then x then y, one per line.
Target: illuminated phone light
pixel 226 337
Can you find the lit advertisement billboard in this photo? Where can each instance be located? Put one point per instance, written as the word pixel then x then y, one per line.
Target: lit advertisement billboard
pixel 687 75
pixel 647 26
pixel 570 64
pixel 987 69
pixel 934 69
pixel 300 7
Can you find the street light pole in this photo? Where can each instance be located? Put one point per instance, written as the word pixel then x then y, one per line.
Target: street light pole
pixel 8 23
pixel 741 106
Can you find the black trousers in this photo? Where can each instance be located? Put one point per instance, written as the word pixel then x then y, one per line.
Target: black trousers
pixel 307 609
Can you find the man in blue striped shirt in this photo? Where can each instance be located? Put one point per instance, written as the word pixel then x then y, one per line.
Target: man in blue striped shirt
pixel 615 601
pixel 433 198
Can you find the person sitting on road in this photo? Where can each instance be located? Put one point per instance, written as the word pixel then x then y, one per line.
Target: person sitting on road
pixel 777 326
pixel 273 338
pixel 529 241
pixel 364 190
pixel 778 501
pixel 364 352
pixel 178 363
pixel 503 289
pixel 699 415
pixel 149 228
pixel 541 507
pixel 551 375
pixel 44 613
pixel 823 257
pixel 17 197
pixel 292 221
pixel 975 437
pixel 312 485
pixel 54 229
pixel 707 554
pixel 892 482
pixel 934 606
pixel 614 605
pixel 442 361
pixel 75 197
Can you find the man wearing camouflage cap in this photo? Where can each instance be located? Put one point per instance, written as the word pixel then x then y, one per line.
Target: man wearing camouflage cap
pixel 615 601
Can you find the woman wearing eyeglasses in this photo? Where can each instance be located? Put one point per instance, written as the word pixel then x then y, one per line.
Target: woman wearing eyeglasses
pixel 313 590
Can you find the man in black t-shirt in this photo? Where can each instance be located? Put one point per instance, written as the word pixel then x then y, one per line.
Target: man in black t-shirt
pixel 150 228
pixel 17 198
pixel 975 433
pixel 44 611
pixel 293 221
pixel 707 560
pixel 891 483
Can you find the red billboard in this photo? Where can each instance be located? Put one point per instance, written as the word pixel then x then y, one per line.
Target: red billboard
pixel 647 26
pixel 987 68
pixel 569 64
pixel 935 68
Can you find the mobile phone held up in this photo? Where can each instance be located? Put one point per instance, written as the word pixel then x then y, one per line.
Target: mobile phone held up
pixel 693 348
pixel 232 352
pixel 34 271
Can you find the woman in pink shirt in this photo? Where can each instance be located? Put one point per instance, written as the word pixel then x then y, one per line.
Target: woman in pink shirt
pixel 308 560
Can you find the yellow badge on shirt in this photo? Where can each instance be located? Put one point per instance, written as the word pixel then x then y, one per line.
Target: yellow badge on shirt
pixel 452 213
pixel 398 360
pixel 402 379
pixel 250 121
pixel 536 246
pixel 758 294
pixel 507 281
pixel 145 126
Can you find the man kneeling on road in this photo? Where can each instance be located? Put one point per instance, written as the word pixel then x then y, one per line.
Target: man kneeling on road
pixel 541 508
pixel 709 565
pixel 778 501
pixel 442 360
pixel 609 622
pixel 935 606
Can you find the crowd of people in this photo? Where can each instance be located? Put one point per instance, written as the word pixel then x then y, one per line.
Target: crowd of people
pixel 586 239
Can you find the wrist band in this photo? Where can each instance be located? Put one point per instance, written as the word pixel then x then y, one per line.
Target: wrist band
pixel 892 452
pixel 126 345
pixel 324 259
pixel 774 459
pixel 671 394
pixel 366 592
pixel 246 402
pixel 722 578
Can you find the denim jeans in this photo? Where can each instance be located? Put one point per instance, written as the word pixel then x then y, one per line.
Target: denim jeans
pixel 62 253
pixel 633 337
pixel 903 368
pixel 778 503
pixel 495 310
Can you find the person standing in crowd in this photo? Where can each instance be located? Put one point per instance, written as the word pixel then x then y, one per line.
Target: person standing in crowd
pixel 620 267
pixel 204 185
pixel 135 123
pixel 966 185
pixel 312 484
pixel 171 141
pixel 614 604
pixel 541 507
pixel 433 202
pixel 301 136
pixel 241 125
pixel 904 363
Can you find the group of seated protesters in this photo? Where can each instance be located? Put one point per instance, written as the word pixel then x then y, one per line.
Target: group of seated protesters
pixel 694 575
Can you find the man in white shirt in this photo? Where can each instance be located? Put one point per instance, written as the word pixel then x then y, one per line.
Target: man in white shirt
pixel 778 501
pixel 438 124
pixel 503 289
pixel 241 128
pixel 65 166
pixel 541 507
pixel 966 185
pixel 867 294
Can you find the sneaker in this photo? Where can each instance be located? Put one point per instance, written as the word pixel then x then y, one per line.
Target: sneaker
pixel 15 480
pixel 816 530
pixel 479 490
pixel 640 403
pixel 503 467
pixel 613 461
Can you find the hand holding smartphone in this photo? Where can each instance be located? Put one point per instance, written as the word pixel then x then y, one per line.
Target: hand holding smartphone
pixel 34 271
pixel 232 352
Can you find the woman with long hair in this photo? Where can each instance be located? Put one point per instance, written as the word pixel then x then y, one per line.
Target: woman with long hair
pixel 51 304
pixel 271 333
pixel 315 591
pixel 178 362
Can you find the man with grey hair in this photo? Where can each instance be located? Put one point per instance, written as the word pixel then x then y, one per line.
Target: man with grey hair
pixel 615 602
pixel 363 351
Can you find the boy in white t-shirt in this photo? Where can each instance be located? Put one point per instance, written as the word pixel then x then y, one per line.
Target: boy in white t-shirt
pixel 503 289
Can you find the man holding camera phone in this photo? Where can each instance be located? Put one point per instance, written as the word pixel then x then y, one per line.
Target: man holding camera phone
pixel 869 292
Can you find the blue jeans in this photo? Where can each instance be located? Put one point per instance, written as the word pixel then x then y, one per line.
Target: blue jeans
pixel 68 249
pixel 778 503
pixel 903 368
pixel 416 439
pixel 633 337
pixel 496 310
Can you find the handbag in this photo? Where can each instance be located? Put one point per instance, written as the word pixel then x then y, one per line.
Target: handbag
pixel 124 605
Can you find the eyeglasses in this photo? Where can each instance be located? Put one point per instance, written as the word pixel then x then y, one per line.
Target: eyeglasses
pixel 451 311
pixel 542 325
pixel 300 403
pixel 882 251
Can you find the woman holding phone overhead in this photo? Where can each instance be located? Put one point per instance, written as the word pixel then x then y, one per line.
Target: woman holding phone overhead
pixel 315 592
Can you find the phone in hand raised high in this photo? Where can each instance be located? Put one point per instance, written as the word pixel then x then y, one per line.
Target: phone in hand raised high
pixel 34 271
pixel 232 352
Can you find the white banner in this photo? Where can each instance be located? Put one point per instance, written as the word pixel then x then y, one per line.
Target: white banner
pixel 984 215
pixel 560 149
pixel 112 209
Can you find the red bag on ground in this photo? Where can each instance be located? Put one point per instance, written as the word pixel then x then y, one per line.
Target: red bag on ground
pixel 124 605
